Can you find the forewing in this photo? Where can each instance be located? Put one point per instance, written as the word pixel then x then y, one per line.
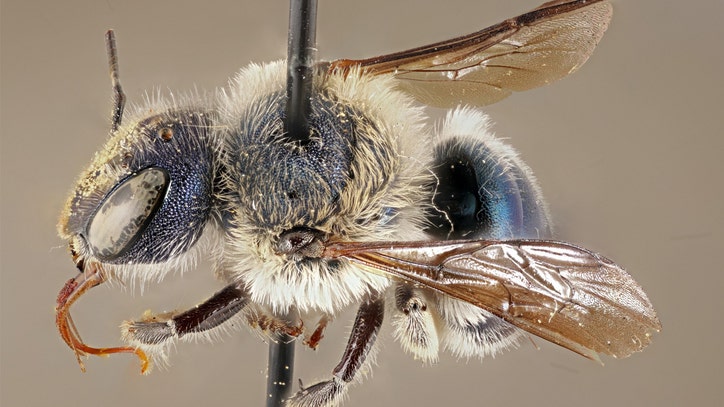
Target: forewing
pixel 520 53
pixel 560 292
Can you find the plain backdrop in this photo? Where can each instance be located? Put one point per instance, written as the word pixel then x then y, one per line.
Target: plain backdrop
pixel 627 150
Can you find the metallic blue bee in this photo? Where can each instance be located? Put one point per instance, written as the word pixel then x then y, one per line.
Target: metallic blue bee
pixel 442 231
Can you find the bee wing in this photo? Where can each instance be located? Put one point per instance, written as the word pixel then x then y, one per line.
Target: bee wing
pixel 560 292
pixel 520 53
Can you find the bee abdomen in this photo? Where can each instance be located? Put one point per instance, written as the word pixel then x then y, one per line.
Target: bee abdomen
pixel 483 189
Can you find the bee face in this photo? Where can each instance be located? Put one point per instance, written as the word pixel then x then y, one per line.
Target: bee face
pixel 148 195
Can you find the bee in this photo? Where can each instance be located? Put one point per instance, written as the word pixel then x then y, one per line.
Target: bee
pixel 442 230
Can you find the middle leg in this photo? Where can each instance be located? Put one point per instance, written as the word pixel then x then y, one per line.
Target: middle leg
pixel 360 344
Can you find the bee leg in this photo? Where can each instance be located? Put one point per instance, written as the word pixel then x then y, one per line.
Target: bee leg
pixel 414 326
pixel 153 332
pixel 470 331
pixel 270 326
pixel 360 344
pixel 312 341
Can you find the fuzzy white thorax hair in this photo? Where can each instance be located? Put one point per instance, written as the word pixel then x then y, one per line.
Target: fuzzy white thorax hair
pixel 316 286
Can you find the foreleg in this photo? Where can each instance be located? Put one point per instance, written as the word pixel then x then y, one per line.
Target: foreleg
pixel 153 333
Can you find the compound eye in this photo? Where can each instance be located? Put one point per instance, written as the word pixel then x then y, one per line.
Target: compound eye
pixel 126 212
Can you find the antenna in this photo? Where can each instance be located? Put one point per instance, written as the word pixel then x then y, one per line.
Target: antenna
pixel 119 98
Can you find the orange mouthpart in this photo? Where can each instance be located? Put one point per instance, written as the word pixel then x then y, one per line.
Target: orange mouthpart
pixel 90 277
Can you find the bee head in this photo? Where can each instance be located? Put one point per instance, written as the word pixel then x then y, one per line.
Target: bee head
pixel 148 194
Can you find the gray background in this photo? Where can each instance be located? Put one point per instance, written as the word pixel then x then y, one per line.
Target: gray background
pixel 627 150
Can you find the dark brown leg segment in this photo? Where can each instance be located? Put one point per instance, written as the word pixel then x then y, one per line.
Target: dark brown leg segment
pixel 363 336
pixel 154 330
